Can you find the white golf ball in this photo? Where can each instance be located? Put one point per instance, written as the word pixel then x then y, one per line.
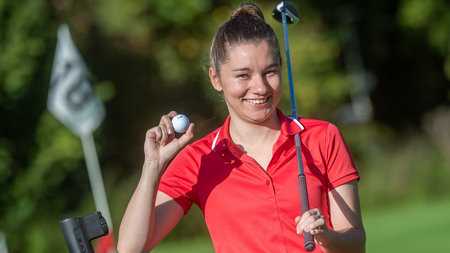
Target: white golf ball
pixel 180 123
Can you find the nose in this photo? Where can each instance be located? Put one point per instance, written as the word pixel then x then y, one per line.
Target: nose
pixel 260 85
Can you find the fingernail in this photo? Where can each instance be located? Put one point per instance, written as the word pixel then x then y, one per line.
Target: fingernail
pixel 298 231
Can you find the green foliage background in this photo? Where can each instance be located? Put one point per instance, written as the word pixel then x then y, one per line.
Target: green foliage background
pixel 148 57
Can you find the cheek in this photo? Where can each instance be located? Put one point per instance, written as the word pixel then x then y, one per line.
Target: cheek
pixel 233 89
pixel 275 83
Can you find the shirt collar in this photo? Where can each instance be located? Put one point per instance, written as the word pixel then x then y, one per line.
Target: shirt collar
pixel 222 138
pixel 289 126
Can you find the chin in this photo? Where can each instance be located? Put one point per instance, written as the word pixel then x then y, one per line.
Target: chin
pixel 261 117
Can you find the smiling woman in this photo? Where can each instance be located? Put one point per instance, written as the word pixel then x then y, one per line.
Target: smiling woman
pixel 243 175
pixel 251 84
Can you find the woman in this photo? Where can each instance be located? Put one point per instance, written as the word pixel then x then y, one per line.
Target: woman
pixel 243 175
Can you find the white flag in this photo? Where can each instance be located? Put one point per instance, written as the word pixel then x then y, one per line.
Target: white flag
pixel 71 98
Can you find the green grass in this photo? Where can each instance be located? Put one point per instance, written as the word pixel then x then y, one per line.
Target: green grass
pixel 188 245
pixel 419 227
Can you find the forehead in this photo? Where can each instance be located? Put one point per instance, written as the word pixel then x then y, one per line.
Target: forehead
pixel 251 53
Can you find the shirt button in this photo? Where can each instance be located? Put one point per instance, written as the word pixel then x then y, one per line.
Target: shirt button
pixel 267 182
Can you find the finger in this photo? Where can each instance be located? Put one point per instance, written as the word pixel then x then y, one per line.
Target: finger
pixel 152 138
pixel 313 218
pixel 315 221
pixel 150 134
pixel 172 114
pixel 166 121
pixel 311 213
pixel 305 216
pixel 298 227
pixel 317 231
pixel 155 133
pixel 316 225
pixel 308 218
pixel 302 222
pixel 165 135
pixel 187 136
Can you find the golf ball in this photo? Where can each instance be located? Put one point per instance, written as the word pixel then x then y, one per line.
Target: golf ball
pixel 180 123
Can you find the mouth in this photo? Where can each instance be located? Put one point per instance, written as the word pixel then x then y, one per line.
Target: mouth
pixel 257 101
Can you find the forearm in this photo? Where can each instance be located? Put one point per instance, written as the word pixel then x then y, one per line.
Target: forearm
pixel 345 241
pixel 138 221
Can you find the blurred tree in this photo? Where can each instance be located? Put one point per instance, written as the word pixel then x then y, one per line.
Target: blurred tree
pixel 406 45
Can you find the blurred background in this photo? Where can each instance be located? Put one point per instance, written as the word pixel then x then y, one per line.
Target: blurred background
pixel 377 69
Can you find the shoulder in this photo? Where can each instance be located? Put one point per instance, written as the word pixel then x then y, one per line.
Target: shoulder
pixel 321 133
pixel 201 146
pixel 308 122
pixel 189 159
pixel 314 125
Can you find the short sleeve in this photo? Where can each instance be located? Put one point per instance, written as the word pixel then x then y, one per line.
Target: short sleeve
pixel 339 161
pixel 180 178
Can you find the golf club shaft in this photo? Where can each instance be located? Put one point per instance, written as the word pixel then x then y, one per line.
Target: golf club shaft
pixel 304 201
pixel 288 61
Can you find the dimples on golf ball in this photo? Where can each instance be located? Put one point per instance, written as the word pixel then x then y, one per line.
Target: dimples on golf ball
pixel 180 123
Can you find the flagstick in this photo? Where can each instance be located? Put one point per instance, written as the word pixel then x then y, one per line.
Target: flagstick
pixel 95 177
pixel 3 246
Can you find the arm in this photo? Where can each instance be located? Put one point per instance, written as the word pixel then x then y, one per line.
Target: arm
pixel 147 220
pixel 348 233
pixel 150 214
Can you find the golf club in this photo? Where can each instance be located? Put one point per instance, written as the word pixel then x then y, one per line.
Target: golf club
pixel 282 12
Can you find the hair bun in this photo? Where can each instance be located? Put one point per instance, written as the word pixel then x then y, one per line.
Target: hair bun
pixel 247 9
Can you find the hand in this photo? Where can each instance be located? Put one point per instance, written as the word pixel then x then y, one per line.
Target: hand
pixel 160 143
pixel 314 223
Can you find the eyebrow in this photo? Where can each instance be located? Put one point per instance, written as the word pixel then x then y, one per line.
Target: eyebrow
pixel 240 69
pixel 247 69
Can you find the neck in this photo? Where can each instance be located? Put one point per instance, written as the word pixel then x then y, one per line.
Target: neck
pixel 246 133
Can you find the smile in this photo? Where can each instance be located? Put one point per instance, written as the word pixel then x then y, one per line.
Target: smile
pixel 256 101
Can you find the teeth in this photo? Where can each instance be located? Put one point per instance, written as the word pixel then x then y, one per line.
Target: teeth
pixel 256 101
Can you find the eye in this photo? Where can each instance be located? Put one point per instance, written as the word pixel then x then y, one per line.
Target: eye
pixel 243 76
pixel 272 72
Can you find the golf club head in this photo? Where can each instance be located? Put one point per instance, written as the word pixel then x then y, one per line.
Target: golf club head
pixel 290 10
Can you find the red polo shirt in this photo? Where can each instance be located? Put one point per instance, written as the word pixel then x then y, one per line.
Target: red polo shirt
pixel 247 208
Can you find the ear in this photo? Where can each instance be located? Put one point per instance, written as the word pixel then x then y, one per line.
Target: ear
pixel 215 80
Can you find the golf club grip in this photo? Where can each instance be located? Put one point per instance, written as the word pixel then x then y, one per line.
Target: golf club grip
pixel 309 239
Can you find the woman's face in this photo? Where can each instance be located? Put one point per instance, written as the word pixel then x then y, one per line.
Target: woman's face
pixel 250 82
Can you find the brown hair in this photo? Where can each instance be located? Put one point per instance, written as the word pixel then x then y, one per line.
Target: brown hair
pixel 246 25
